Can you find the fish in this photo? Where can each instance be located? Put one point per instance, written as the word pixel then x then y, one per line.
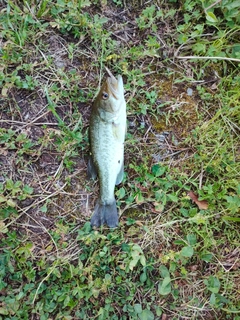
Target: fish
pixel 107 131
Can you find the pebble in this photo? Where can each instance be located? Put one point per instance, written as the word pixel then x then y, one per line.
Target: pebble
pixel 189 91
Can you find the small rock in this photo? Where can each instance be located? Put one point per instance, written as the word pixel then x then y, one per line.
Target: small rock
pixel 189 92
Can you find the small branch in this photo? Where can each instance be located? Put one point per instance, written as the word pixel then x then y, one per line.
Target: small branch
pixel 29 123
pixel 212 5
pixel 35 204
pixel 206 58
pixel 201 177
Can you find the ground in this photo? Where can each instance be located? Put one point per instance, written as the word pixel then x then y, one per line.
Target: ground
pixel 176 252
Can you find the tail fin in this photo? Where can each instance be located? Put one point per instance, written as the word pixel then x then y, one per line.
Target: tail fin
pixel 105 214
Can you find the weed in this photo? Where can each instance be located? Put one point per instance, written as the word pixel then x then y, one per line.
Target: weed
pixel 168 258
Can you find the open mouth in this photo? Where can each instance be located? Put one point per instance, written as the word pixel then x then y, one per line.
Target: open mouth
pixel 113 87
pixel 113 84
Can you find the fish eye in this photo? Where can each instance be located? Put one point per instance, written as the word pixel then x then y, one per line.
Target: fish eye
pixel 104 95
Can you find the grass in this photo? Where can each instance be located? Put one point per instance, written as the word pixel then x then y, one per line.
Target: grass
pixel 169 258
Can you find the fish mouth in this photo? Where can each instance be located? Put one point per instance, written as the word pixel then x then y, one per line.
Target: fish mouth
pixel 115 86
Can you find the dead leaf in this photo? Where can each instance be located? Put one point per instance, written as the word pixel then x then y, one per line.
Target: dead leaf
pixel 214 86
pixel 202 204
pixel 3 151
pixel 158 207
pixel 194 267
pixel 139 199
pixel 139 223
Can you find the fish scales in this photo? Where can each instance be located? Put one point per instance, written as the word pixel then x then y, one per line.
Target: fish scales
pixel 107 133
pixel 108 158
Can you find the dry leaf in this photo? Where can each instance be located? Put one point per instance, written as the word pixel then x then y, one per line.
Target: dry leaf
pixel 202 204
pixel 3 151
pixel 214 86
pixel 158 207
pixel 139 199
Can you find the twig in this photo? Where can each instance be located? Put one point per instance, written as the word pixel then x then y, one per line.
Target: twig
pixel 34 204
pixel 201 177
pixel 206 58
pixel 212 5
pixel 30 123
pixel 190 40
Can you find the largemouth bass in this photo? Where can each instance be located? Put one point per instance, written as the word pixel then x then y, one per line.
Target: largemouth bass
pixel 107 134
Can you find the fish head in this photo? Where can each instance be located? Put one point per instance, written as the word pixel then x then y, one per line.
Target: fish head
pixel 111 95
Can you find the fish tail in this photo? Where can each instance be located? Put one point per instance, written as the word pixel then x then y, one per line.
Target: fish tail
pixel 105 214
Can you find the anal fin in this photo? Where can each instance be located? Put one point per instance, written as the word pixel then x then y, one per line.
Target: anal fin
pixel 91 169
pixel 120 175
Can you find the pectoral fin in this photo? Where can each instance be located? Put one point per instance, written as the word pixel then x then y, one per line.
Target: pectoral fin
pixel 91 169
pixel 118 131
pixel 120 175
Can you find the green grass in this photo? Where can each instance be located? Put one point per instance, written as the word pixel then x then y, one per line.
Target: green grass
pixel 168 258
